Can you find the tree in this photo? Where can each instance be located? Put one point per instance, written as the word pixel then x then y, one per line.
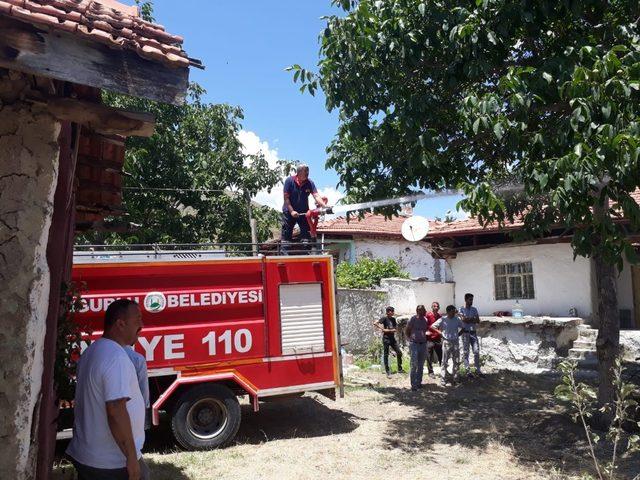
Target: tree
pixel 190 182
pixel 530 106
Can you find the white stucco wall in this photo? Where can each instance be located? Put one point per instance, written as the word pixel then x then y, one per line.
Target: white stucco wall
pixel 404 295
pixel 625 288
pixel 415 258
pixel 559 281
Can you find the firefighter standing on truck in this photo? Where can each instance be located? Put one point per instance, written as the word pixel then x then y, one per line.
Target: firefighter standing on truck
pixel 297 189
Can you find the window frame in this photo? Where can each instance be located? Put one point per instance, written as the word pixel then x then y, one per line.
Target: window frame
pixel 506 276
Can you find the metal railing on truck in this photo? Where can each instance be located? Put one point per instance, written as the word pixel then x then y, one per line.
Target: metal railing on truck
pixel 192 251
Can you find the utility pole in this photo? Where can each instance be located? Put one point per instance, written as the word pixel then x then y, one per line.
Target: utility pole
pixel 253 224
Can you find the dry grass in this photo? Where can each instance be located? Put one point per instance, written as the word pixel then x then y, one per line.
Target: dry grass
pixel 507 426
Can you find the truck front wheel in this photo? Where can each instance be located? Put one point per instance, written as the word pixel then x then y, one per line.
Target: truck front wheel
pixel 205 417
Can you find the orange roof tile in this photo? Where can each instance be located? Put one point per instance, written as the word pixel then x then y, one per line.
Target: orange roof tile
pixel 471 225
pixel 105 21
pixel 371 224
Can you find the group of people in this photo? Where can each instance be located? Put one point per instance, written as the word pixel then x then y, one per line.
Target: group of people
pixel 432 335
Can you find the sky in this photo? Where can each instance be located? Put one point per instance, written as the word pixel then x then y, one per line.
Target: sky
pixel 246 46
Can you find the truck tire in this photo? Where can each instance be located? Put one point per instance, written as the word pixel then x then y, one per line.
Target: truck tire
pixel 205 417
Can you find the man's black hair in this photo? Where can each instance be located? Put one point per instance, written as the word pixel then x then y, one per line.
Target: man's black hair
pixel 436 302
pixel 116 310
pixel 451 308
pixel 390 309
pixel 468 295
pixel 420 307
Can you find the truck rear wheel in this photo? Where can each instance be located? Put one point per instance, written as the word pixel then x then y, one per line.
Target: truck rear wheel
pixel 205 417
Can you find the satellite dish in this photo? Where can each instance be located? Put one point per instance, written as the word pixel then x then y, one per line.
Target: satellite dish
pixel 415 228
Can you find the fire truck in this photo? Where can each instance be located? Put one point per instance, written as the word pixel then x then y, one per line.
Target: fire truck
pixel 217 328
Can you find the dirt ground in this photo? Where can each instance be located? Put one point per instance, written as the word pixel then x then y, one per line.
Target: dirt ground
pixel 506 426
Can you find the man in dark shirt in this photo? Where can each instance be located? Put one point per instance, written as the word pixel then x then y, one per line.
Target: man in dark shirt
pixel 297 189
pixel 388 326
pixel 416 332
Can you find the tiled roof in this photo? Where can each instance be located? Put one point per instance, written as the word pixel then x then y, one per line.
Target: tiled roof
pixel 471 225
pixel 371 224
pixel 106 21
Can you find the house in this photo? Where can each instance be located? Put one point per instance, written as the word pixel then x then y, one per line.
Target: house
pixel 541 274
pixel 375 236
pixel 61 156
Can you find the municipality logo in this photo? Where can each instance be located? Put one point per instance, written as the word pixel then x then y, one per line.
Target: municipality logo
pixel 155 302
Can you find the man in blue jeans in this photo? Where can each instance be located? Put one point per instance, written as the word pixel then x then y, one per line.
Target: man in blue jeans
pixel 297 189
pixel 470 319
pixel 416 332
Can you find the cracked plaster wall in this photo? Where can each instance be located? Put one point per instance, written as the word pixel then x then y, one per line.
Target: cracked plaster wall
pixel 357 310
pixel 28 175
pixel 414 258
pixel 530 345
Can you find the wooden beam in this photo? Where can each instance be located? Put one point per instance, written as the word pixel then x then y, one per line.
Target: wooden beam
pixel 101 118
pixel 64 56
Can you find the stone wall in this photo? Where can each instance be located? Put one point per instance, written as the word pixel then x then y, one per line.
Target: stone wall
pixel 630 342
pixel 28 175
pixel 530 345
pixel 357 310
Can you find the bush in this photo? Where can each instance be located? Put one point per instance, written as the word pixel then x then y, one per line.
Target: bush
pixel 367 273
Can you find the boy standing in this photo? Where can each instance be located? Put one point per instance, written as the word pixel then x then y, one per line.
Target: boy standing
pixel 470 317
pixel 388 326
pixel 450 325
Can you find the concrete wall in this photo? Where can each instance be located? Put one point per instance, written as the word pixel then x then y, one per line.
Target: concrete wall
pixel 529 345
pixel 559 281
pixel 357 310
pixel 28 175
pixel 630 342
pixel 415 258
pixel 405 295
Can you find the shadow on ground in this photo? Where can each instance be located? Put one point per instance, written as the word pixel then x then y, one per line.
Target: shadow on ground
pixel 303 417
pixel 512 408
pixel 165 471
pixel 159 470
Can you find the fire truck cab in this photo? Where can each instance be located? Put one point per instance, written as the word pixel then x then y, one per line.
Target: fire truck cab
pixel 217 328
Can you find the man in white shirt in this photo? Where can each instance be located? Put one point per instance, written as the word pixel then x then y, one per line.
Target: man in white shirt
pixel 108 431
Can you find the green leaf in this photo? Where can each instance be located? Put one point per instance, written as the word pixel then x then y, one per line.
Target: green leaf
pixel 498 129
pixel 543 180
pixel 422 8
pixel 547 77
pixel 491 37
pixel 476 126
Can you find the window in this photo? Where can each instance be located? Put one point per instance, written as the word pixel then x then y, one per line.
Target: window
pixel 302 318
pixel 514 281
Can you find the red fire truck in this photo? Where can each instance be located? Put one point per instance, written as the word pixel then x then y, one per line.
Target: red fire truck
pixel 217 328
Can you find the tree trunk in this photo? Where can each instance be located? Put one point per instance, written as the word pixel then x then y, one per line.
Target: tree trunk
pixel 608 341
